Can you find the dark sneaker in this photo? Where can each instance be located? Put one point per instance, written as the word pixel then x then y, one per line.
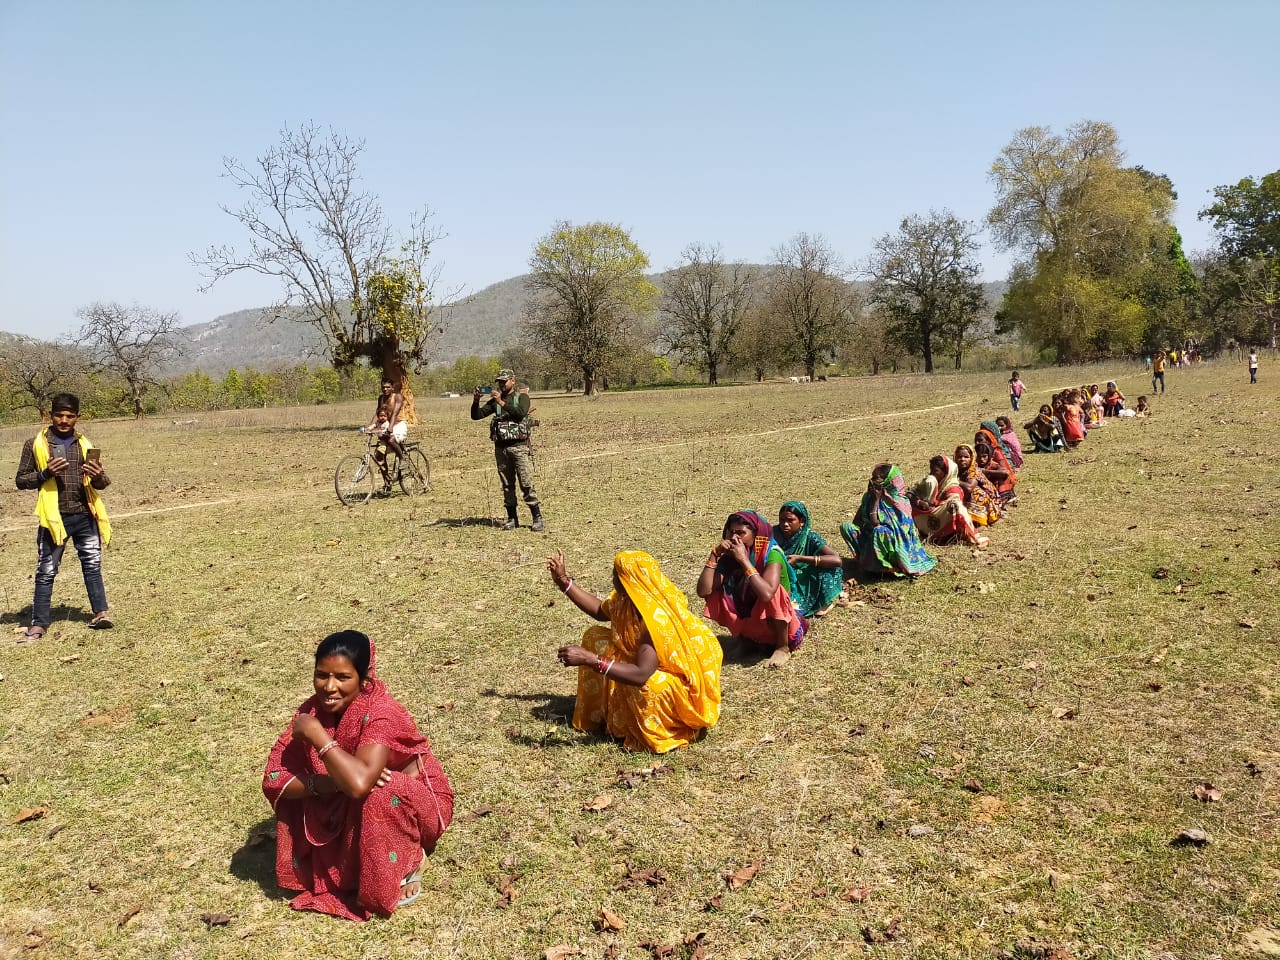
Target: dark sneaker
pixel 538 525
pixel 511 524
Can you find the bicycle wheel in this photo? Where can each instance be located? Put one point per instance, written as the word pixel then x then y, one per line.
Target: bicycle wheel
pixel 354 480
pixel 415 473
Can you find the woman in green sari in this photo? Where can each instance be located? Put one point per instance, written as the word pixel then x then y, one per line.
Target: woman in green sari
pixel 882 535
pixel 818 580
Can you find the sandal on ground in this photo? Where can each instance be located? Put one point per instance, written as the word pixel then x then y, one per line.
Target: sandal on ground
pixel 411 886
pixel 32 634
pixel 102 621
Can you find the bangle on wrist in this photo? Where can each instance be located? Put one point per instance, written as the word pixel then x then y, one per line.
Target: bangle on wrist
pixel 326 748
pixel 568 586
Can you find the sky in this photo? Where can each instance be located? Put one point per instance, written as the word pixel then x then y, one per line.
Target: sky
pixel 735 123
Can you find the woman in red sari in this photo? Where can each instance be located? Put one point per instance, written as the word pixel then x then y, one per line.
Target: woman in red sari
pixel 937 506
pixel 359 799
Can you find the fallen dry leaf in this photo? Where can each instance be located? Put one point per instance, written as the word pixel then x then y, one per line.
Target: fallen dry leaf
pixel 608 920
pixel 447 705
pixel 743 875
pixel 55 830
pixel 1207 793
pixel 508 891
pixel 652 876
pixel 129 915
pixel 973 786
pixel 1065 713
pixel 659 950
pixel 69 659
pixel 212 920
pixel 1247 624
pixel 28 814
pixel 561 951
pixel 888 932
pixel 856 895
pixel 35 937
pixel 715 904
pixel 602 802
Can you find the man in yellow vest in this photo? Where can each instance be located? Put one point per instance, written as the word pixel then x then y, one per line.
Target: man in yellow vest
pixel 64 466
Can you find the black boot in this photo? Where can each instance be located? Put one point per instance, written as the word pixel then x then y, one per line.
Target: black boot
pixel 512 520
pixel 538 525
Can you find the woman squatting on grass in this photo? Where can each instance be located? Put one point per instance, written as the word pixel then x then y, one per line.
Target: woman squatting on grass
pixel 652 677
pixel 358 797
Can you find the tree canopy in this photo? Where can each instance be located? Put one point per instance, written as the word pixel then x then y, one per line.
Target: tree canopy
pixel 329 243
pixel 1095 237
pixel 703 309
pixel 925 277
pixel 590 296
pixel 810 299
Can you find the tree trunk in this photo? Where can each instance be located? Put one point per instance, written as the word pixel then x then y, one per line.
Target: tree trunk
pixel 395 370
pixel 588 381
pixel 711 373
pixel 875 366
pixel 926 345
pixel 138 411
pixel 810 367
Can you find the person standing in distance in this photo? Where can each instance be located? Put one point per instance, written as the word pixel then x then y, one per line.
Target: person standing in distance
pixel 510 430
pixel 64 466
pixel 1253 365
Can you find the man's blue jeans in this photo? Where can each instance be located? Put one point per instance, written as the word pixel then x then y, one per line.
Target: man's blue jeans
pixel 82 530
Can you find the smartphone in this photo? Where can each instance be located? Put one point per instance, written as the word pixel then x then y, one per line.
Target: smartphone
pixel 486 389
pixel 93 455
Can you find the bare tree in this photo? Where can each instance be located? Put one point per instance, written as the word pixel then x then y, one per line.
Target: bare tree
pixel 810 297
pixel 925 277
pixel 704 307
pixel 31 372
pixel 131 342
pixel 327 241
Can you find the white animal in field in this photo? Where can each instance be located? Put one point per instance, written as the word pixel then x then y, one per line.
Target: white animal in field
pixel 798 379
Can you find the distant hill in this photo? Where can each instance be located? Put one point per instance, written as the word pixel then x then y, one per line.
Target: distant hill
pixel 483 324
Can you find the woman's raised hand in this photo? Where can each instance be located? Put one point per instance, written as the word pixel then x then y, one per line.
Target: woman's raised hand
pixel 384 778
pixel 556 567
pixel 576 656
pixel 739 552
pixel 307 727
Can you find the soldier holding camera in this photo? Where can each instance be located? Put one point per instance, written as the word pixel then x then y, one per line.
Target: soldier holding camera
pixel 510 430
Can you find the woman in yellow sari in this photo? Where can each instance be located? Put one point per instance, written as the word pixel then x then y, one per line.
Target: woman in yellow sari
pixel 652 677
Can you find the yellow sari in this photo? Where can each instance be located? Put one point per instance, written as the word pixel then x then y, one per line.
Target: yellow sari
pixel 682 697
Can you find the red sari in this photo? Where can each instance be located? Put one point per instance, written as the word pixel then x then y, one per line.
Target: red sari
pixel 346 857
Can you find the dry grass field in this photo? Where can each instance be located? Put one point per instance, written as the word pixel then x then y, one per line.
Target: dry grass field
pixel 991 762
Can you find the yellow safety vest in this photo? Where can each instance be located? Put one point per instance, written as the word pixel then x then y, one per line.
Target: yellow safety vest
pixel 47 511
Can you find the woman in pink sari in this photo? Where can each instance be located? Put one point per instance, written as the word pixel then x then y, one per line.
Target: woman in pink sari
pixel 359 799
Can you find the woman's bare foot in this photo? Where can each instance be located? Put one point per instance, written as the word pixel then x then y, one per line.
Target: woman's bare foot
pixel 779 659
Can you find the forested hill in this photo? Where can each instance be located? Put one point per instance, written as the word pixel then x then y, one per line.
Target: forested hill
pixel 483 324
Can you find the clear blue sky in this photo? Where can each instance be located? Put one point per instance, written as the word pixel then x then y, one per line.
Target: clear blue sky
pixel 736 123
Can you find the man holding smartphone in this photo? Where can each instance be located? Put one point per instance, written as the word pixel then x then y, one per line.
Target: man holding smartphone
pixel 67 471
pixel 510 430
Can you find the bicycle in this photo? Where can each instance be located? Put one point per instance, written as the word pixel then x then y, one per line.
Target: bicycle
pixel 356 477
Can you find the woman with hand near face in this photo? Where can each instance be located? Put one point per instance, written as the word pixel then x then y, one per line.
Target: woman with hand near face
pixel 746 583
pixel 652 677
pixel 358 797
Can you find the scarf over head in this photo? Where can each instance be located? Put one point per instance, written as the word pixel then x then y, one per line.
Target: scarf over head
pixel 812 587
pixel 736 589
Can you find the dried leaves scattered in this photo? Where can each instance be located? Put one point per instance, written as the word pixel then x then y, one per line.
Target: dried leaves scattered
pixel 737 879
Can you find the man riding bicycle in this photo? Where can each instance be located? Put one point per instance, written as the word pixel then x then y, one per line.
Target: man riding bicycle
pixel 389 424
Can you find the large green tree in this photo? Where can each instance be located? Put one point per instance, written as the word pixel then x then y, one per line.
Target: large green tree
pixel 704 305
pixel 590 297
pixel 810 299
pixel 1093 238
pixel 925 279
pixel 313 228
pixel 1246 216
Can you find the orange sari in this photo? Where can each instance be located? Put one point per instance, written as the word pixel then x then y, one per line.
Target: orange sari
pixel 682 696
